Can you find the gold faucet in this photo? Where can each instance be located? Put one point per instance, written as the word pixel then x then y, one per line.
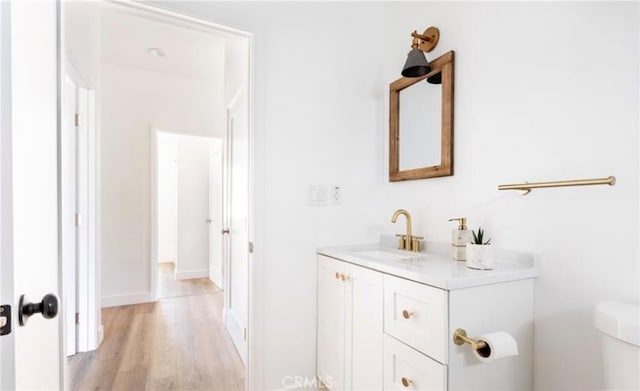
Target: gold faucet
pixel 407 241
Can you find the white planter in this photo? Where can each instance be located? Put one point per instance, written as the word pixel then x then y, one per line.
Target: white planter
pixel 480 256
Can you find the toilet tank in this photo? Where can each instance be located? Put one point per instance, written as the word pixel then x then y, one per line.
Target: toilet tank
pixel 619 324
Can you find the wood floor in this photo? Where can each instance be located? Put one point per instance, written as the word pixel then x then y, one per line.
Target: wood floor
pixel 177 343
pixel 168 286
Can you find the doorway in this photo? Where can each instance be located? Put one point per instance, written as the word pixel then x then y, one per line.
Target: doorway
pixel 145 89
pixel 188 211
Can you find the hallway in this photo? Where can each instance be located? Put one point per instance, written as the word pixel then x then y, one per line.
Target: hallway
pixel 177 343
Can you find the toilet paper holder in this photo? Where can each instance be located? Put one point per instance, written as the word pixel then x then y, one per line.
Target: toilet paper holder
pixel 460 338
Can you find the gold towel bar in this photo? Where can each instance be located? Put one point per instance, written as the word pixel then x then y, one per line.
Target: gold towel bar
pixel 526 187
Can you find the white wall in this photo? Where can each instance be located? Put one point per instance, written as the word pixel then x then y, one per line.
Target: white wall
pixel 81 29
pixel 132 102
pixel 543 91
pixel 236 65
pixel 167 197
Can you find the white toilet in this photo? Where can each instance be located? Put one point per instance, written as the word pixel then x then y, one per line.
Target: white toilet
pixel 620 327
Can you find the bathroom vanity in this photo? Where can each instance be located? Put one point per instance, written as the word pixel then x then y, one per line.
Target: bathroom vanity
pixel 386 319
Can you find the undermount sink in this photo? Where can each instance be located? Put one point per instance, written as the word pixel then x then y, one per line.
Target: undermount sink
pixel 389 255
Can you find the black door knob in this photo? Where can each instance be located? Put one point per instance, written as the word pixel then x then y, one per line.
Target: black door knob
pixel 48 307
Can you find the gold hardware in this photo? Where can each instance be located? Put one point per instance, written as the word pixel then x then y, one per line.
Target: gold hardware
pixel 526 187
pixel 407 241
pixel 415 243
pixel 77 120
pixel 406 382
pixel 462 222
pixel 460 338
pixel 426 41
pixel 337 276
pixel 402 240
pixel 406 314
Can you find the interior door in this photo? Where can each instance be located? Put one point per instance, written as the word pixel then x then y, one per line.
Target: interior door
pixel 193 207
pixel 29 191
pixel 7 371
pixel 237 288
pixel 68 199
pixel 215 213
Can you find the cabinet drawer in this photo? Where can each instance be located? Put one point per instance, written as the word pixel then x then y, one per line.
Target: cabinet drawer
pixel 406 369
pixel 416 314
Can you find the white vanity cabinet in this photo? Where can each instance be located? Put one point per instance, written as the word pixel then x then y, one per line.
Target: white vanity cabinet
pixel 350 321
pixel 388 324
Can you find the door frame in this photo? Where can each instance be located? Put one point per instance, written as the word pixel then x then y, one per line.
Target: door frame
pixel 89 331
pixel 255 354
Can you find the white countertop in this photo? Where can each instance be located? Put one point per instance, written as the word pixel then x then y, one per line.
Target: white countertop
pixel 435 267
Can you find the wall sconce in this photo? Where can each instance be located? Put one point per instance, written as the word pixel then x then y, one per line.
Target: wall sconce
pixel 417 64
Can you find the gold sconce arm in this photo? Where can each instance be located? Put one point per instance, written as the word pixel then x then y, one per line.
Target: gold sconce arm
pixel 426 41
pixel 460 338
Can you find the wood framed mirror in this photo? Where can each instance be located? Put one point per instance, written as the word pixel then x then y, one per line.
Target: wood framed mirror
pixel 421 123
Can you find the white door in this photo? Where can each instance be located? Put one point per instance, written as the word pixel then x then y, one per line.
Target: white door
pixel 68 199
pixel 215 213
pixel 30 355
pixel 193 207
pixel 237 288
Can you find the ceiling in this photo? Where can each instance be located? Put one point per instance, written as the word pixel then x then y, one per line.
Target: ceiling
pixel 189 53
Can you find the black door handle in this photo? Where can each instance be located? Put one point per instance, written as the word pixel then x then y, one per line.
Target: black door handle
pixel 48 307
pixel 225 231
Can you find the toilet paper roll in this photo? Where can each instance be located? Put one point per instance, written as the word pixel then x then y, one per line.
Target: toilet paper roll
pixel 499 345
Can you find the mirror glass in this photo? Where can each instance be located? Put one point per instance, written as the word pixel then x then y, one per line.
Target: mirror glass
pixel 421 123
pixel 420 126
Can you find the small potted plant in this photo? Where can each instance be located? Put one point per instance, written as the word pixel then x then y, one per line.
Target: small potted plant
pixel 478 256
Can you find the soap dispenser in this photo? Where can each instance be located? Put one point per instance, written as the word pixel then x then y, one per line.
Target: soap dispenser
pixel 459 239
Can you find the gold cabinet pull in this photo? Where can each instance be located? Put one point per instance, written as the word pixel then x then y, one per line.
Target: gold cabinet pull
pixel 337 276
pixel 406 382
pixel 344 277
pixel 406 314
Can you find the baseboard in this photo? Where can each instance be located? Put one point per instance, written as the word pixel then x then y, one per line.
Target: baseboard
pixel 186 275
pixel 127 299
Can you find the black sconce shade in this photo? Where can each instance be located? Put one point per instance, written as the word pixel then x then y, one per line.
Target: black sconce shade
pixel 435 79
pixel 416 65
